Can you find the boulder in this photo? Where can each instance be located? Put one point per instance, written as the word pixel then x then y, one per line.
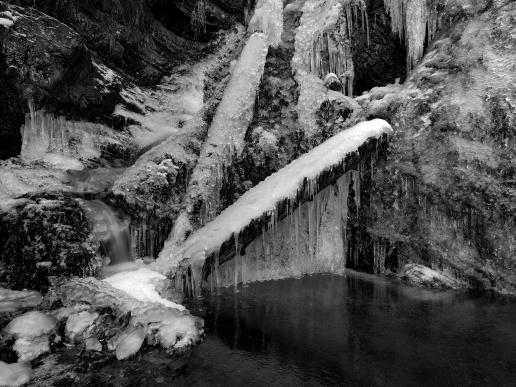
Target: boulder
pixel 92 344
pixel 78 324
pixel 129 343
pixel 420 275
pixel 31 331
pixel 30 325
pixel 29 349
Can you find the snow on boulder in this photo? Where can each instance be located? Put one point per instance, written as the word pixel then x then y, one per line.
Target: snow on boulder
pixel 78 324
pixel 30 325
pixel 424 276
pixel 180 332
pixel 29 349
pixel 14 374
pixel 92 344
pixel 31 331
pixel 130 343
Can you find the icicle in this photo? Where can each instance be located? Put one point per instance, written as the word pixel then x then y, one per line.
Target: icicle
pixel 412 20
pixel 237 260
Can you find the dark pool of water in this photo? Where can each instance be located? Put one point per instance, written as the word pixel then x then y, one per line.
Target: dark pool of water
pixel 354 330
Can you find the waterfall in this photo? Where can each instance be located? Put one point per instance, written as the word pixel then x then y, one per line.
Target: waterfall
pixel 111 231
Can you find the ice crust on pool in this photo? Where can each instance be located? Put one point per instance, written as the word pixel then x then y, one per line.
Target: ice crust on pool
pixel 279 186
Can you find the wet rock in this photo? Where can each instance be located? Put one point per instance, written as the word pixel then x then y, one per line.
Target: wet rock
pixel 416 274
pixel 14 374
pixel 129 343
pixel 78 325
pixel 92 344
pixel 12 300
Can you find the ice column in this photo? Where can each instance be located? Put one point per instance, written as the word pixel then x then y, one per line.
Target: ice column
pixel 232 118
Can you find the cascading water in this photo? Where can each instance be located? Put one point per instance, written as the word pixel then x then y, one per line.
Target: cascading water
pixel 111 231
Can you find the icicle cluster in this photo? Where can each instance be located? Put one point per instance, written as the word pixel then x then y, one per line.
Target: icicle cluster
pixel 323 46
pixel 413 20
pixel 298 178
pixel 46 137
pixel 268 18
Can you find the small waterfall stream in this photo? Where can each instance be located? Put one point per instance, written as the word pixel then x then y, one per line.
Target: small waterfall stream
pixel 111 231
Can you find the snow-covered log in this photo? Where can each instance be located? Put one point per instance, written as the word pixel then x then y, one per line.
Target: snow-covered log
pixel 232 118
pixel 297 179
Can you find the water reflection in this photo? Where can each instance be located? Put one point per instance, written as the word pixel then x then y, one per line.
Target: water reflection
pixel 354 330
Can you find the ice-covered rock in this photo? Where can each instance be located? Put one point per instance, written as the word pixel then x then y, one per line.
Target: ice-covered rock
pixel 147 281
pixel 152 313
pixel 31 331
pixel 16 374
pixel 130 343
pixel 30 325
pixel 77 324
pixel 92 344
pixel 31 348
pixel 417 274
pixel 13 300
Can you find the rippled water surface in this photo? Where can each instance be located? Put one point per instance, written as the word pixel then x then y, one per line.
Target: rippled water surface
pixel 347 331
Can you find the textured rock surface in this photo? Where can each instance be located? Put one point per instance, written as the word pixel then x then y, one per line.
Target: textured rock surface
pixel 45 235
pixel 446 198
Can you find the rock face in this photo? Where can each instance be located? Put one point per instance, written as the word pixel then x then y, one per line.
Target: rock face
pixel 73 57
pixel 446 197
pixel 45 235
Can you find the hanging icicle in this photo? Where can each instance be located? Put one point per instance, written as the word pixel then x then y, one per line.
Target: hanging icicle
pixel 413 21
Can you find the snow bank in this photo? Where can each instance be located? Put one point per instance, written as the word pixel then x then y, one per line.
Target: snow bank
pixel 281 185
pixel 141 285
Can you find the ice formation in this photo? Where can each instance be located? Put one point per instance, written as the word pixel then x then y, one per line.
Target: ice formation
pixel 284 185
pixel 231 120
pixel 413 20
pixel 172 108
pixel 268 18
pixel 323 46
pixel 141 284
pixel 61 143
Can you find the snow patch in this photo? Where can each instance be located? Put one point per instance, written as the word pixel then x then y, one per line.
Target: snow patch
pixel 141 285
